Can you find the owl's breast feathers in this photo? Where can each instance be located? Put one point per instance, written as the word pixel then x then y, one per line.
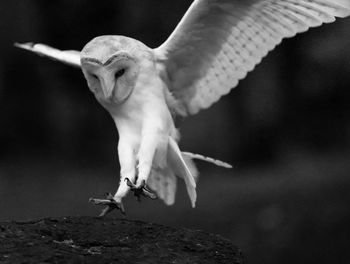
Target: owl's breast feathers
pixel 145 112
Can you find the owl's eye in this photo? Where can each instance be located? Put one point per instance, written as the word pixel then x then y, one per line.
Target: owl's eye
pixel 119 73
pixel 94 76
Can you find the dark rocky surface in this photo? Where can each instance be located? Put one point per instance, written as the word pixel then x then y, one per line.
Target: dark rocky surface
pixel 109 240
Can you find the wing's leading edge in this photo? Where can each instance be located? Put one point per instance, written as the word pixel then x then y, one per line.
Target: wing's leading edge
pixel 218 42
pixel 70 57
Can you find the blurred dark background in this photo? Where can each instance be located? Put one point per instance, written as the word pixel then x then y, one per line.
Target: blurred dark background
pixel 285 128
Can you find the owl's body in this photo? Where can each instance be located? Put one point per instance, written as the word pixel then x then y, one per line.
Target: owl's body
pixel 147 145
pixel 213 47
pixel 144 125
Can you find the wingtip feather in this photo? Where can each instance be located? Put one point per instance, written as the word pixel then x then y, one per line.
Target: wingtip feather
pixel 26 46
pixel 207 159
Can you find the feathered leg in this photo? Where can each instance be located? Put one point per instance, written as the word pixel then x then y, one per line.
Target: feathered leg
pixel 127 162
pixel 145 156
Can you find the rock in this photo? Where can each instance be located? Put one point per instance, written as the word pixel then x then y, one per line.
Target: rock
pixel 108 240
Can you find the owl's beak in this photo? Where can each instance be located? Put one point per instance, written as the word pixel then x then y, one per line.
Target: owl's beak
pixel 107 87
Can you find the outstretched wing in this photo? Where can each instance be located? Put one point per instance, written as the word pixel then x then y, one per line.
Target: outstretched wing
pixel 70 57
pixel 218 42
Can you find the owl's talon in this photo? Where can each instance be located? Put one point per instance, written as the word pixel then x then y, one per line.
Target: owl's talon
pixel 142 184
pixel 111 204
pixel 130 183
pixel 142 190
pixel 148 193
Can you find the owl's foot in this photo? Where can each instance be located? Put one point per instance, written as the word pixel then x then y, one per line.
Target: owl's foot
pixel 142 190
pixel 111 204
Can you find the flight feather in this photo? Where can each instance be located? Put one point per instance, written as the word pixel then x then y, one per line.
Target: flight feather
pixel 218 42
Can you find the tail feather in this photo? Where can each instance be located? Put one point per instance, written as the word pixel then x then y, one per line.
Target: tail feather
pixel 183 167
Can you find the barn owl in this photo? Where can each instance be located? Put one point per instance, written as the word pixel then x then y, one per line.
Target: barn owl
pixel 214 46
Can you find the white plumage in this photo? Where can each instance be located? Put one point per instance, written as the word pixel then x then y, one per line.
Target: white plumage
pixel 218 42
pixel 213 47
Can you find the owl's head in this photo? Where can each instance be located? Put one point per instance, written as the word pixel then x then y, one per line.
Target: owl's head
pixel 111 67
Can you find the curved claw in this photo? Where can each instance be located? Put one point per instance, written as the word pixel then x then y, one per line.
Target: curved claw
pixel 130 183
pixel 142 190
pixel 111 204
pixel 148 193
